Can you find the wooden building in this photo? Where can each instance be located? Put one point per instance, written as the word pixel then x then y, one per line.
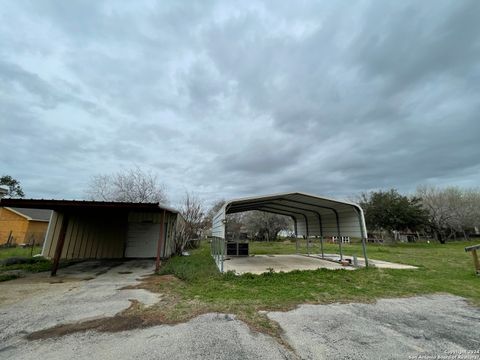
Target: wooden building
pixel 23 226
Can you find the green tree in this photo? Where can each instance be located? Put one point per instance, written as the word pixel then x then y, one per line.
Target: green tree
pixel 389 210
pixel 13 185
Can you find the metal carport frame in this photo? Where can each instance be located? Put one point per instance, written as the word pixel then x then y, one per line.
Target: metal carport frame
pixel 313 216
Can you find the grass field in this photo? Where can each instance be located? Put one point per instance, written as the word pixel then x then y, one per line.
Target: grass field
pixel 19 252
pixel 38 266
pixel 442 269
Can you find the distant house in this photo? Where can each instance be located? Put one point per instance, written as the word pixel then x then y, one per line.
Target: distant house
pixel 3 191
pixel 23 226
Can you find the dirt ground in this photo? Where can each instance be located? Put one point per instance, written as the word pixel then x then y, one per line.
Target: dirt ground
pixel 92 310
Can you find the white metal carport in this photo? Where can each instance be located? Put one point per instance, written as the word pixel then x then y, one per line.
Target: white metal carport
pixel 312 215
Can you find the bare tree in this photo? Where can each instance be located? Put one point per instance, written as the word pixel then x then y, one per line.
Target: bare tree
pixel 265 226
pixel 235 225
pixel 212 211
pixel 257 224
pixel 194 214
pixel 191 228
pixel 451 210
pixel 133 185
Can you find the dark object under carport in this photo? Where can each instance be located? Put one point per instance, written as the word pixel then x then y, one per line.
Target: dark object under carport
pixel 236 248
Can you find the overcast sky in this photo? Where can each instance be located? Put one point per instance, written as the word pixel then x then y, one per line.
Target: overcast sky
pixel 243 98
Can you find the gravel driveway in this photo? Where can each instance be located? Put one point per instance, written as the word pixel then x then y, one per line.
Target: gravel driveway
pixel 388 329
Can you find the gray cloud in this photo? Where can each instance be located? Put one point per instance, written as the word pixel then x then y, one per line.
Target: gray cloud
pixel 230 99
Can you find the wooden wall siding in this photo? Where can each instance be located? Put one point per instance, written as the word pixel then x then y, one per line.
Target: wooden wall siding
pixel 89 236
pixel 36 230
pixel 10 221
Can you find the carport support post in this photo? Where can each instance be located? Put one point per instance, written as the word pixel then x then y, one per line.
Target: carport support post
pixel 340 246
pixel 161 241
pixel 321 233
pixel 321 245
pixel 364 248
pixel 296 233
pixel 338 235
pixel 59 247
pixel 363 234
pixel 308 233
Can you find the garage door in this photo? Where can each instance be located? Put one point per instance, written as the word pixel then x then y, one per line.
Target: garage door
pixel 142 240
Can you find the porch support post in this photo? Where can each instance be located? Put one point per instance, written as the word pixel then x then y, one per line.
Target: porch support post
pixel 161 241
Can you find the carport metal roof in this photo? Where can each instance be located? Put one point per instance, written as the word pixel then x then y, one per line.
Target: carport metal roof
pixel 312 215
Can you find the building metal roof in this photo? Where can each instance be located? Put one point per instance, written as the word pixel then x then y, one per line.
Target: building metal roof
pixel 79 205
pixel 32 214
pixel 313 215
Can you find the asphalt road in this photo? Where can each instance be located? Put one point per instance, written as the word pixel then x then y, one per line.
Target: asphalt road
pixel 404 328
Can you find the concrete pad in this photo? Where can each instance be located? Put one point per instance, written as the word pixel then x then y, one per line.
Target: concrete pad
pixel 35 303
pixel 259 264
pixel 377 263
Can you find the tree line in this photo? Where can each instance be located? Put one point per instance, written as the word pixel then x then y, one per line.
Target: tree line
pixel 443 213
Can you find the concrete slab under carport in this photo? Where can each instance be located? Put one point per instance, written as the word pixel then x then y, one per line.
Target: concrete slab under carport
pixel 259 264
pixel 372 262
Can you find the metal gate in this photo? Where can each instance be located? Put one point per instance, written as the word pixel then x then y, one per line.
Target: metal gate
pixel 217 250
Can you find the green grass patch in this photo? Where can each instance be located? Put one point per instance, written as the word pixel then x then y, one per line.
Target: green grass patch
pixel 7 277
pixel 35 264
pixel 38 265
pixel 19 252
pixel 442 269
